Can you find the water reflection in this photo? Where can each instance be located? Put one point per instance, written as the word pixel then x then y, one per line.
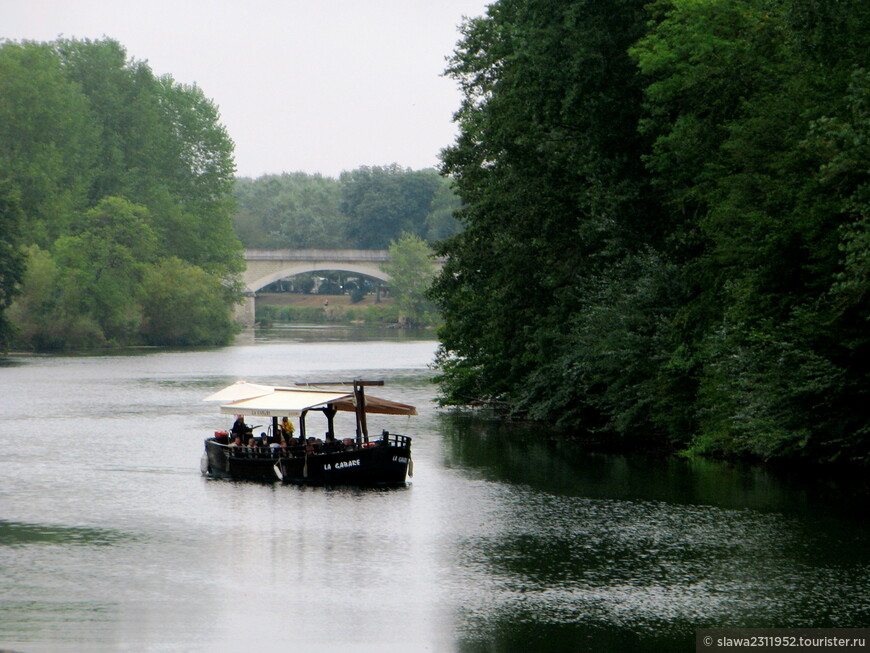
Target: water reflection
pixel 526 453
pixel 332 333
pixel 580 551
pixel 18 534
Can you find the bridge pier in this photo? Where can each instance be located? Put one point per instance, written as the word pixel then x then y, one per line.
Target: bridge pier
pixel 245 312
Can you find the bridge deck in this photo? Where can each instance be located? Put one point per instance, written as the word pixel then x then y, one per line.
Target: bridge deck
pixel 367 255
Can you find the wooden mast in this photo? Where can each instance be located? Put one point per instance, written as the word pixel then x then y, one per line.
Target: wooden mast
pixel 359 396
pixel 359 400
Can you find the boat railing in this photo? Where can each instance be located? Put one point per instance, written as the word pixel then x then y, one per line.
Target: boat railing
pixel 319 447
pixel 392 439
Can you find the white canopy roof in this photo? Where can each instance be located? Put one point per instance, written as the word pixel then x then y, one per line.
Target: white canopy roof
pixel 292 402
pixel 240 390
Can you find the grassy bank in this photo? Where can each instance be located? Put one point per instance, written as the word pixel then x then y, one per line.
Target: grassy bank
pixel 332 314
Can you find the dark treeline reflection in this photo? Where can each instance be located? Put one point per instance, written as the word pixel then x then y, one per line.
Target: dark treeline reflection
pixel 584 551
pixel 518 452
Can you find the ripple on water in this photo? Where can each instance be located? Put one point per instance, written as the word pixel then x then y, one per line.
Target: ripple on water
pixel 646 566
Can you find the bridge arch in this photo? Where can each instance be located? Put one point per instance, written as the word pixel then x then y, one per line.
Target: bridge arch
pixel 267 266
pixel 291 270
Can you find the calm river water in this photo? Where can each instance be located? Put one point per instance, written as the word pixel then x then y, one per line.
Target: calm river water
pixel 111 540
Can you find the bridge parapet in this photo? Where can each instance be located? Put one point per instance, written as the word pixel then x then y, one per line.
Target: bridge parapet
pixel 333 255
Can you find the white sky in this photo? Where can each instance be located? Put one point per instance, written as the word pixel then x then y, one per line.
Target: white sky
pixel 302 85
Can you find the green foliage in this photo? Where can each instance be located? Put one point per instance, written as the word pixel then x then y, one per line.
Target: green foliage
pixel 48 139
pixel 115 169
pixel 102 266
pixel 365 208
pixel 542 166
pixel 441 222
pixel 293 211
pixel 381 203
pixel 11 256
pixel 665 225
pixel 184 305
pixel 47 314
pixel 411 271
pixel 372 315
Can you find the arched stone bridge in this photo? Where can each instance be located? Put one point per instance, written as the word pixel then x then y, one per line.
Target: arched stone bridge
pixel 265 266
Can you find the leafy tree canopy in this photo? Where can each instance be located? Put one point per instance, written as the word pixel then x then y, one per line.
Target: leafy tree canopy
pixel 114 169
pixel 365 208
pixel 411 270
pixel 11 256
pixel 665 209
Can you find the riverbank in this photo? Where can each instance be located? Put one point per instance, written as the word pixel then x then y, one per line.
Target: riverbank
pixel 318 301
pixel 326 309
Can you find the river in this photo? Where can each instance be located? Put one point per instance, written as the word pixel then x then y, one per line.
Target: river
pixel 111 540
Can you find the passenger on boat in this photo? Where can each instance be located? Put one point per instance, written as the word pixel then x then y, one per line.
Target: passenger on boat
pixel 313 444
pixel 287 428
pixel 252 442
pixel 240 429
pixel 237 442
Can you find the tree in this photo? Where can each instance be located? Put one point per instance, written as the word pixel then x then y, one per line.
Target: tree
pixel 656 248
pixel 183 305
pixel 47 317
pixel 48 141
pixel 380 203
pixel 546 165
pixel 12 258
pixel 162 146
pixel 200 177
pixel 102 266
pixel 411 270
pixel 115 169
pixel 441 223
pixel 745 155
pixel 294 211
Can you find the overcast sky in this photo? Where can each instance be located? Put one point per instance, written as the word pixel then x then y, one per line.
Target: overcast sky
pixel 311 85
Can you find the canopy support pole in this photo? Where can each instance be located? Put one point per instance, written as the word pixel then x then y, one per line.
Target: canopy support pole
pixel 330 412
pixel 359 395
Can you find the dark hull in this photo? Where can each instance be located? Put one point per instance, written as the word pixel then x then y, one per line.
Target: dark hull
pixel 382 462
pixel 238 463
pixel 375 465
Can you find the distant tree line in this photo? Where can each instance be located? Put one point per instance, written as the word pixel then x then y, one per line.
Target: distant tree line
pixel 366 208
pixel 665 221
pixel 115 202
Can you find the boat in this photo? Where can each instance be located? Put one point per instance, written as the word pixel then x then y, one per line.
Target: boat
pixel 303 458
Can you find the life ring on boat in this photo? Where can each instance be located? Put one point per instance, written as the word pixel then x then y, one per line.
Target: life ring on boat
pixel 204 467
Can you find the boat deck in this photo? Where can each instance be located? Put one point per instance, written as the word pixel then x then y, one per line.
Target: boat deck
pixel 313 448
